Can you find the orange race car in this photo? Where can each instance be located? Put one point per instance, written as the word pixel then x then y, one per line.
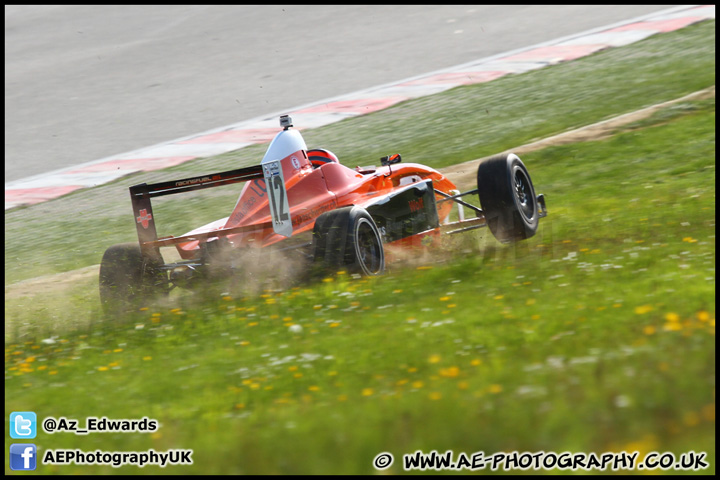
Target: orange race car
pixel 306 201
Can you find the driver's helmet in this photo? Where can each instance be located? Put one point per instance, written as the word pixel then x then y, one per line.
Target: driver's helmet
pixel 319 157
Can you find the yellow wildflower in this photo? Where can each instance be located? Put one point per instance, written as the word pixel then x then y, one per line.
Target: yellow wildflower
pixel 495 388
pixel 450 372
pixel 643 309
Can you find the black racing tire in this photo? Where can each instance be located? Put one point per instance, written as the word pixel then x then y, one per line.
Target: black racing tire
pixel 319 236
pixel 128 280
pixel 507 197
pixel 348 239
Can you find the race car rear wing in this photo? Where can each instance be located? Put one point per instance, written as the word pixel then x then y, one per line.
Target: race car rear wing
pixel 141 194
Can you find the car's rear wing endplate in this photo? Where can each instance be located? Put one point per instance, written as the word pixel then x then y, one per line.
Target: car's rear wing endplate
pixel 141 194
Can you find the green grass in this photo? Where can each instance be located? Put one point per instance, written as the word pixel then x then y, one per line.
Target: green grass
pixel 596 335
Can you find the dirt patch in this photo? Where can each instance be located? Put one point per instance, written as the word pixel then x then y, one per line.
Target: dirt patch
pixel 60 282
pixel 463 175
pixel 49 283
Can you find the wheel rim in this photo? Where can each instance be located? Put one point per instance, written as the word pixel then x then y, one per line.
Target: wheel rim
pixel 369 249
pixel 523 194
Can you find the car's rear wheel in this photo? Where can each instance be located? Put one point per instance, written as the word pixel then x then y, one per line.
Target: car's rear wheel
pixel 128 280
pixel 507 198
pixel 348 239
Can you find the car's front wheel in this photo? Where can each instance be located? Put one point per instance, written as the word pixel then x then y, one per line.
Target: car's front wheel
pixel 507 198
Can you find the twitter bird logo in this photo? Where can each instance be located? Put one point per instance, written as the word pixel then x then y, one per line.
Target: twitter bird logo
pixel 23 425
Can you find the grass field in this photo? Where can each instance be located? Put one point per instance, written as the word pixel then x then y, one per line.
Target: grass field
pixel 596 335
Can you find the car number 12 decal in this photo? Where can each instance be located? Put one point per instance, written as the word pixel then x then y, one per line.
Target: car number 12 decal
pixel 277 195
